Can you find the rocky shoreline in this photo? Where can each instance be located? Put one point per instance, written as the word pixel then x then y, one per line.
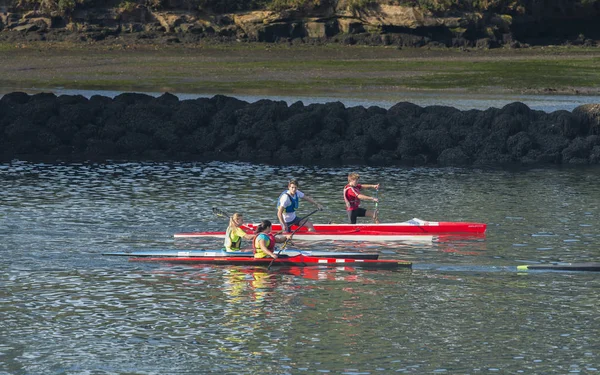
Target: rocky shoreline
pixel 50 128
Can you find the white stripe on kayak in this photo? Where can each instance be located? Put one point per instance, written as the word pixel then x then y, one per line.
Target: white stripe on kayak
pixel 334 237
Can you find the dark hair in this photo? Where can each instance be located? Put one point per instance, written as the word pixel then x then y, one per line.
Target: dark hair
pixel 293 182
pixel 262 226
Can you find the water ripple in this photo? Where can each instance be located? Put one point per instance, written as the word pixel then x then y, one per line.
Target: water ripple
pixel 463 309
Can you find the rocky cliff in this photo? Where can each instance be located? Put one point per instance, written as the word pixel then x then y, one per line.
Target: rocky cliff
pixel 376 24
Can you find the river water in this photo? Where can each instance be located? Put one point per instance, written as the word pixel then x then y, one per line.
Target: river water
pixel 462 309
pixel 384 99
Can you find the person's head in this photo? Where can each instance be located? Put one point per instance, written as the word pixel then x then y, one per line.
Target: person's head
pixel 353 178
pixel 237 219
pixel 293 186
pixel 264 227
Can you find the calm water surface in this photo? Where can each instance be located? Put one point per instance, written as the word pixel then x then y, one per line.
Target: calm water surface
pixel 384 99
pixel 463 309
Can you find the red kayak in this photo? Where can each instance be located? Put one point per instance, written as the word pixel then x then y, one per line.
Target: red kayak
pixel 412 230
pixel 413 226
pixel 298 261
pixel 329 236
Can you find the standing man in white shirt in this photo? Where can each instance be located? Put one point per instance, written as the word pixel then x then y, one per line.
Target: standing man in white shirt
pixel 287 205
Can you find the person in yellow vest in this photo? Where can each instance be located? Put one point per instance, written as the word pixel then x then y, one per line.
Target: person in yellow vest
pixel 264 242
pixel 234 233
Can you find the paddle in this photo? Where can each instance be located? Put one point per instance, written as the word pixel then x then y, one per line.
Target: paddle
pixel 223 214
pixel 300 225
pixel 377 204
pixel 220 213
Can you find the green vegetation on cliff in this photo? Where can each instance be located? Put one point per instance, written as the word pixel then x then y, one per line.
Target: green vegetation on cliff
pixel 530 7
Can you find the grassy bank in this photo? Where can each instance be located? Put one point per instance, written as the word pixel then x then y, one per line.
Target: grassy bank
pixel 274 69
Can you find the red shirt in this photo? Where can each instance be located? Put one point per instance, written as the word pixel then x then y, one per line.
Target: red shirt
pixel 351 196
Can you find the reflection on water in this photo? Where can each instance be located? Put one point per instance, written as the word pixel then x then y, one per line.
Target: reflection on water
pixel 462 309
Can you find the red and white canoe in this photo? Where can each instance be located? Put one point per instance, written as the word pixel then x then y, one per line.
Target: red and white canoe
pixel 329 236
pixel 412 230
pixel 194 253
pixel 297 261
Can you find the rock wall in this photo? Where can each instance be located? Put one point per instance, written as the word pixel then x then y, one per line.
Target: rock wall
pixel 141 127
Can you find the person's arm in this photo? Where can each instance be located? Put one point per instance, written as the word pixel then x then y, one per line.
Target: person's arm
pixel 280 239
pixel 283 238
pixel 376 187
pixel 367 198
pixel 313 202
pixel 280 217
pixel 263 247
pixel 242 233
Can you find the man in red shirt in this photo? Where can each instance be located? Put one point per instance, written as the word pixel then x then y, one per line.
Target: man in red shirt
pixel 352 197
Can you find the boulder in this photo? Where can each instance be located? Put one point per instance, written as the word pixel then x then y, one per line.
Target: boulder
pixel 401 16
pixel 315 29
pixel 453 157
pixel 589 117
pixel 173 19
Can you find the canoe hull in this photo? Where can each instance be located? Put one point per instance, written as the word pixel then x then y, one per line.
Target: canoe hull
pixel 240 254
pixel 415 226
pixel 328 236
pixel 296 261
pixel 412 230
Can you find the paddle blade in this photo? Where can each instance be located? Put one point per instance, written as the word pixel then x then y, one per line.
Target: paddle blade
pixel 285 244
pixel 220 213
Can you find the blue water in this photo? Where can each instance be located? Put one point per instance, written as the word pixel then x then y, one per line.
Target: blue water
pixel 462 101
pixel 463 309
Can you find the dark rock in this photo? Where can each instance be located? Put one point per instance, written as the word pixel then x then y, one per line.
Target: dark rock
pixel 14 98
pixel 453 157
pixel 100 149
pixel 579 150
pixel 132 98
pixel 137 126
pixel 134 144
pixel 588 115
pixel 518 145
pixel 405 109
pixel 595 155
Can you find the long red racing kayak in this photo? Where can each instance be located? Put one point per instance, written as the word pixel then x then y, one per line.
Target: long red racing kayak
pixel 412 230
pixel 413 226
pixel 331 236
pixel 298 261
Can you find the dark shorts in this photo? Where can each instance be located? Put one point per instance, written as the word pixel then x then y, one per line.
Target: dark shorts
pixel 359 212
pixel 296 221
